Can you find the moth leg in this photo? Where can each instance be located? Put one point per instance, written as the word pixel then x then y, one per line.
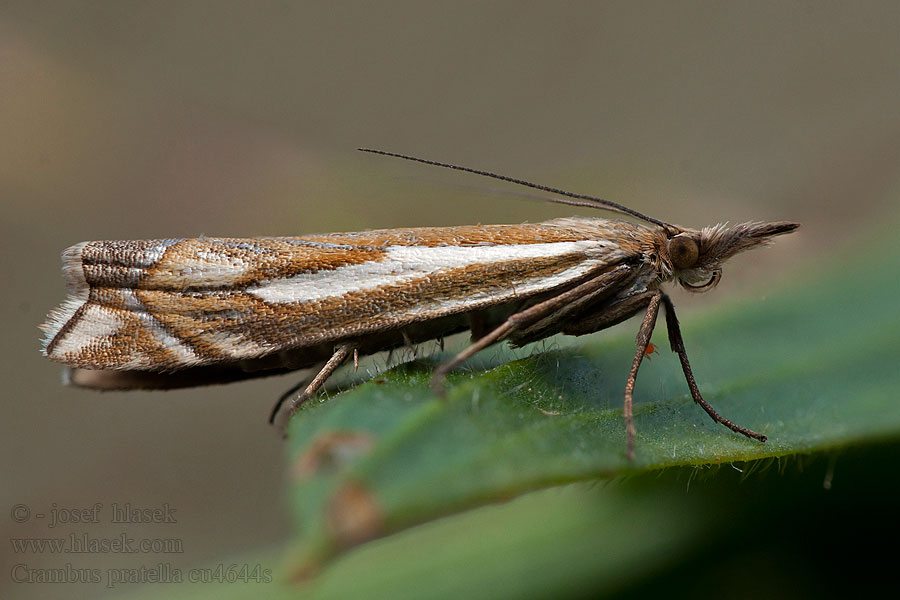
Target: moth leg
pixel 340 355
pixel 525 318
pixel 610 315
pixel 573 312
pixel 677 344
pixel 643 339
pixel 441 371
pixel 304 381
pixel 409 343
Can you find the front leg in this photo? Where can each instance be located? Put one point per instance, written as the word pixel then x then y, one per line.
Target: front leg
pixel 643 340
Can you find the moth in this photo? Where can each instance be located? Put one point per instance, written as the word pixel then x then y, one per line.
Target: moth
pixel 169 313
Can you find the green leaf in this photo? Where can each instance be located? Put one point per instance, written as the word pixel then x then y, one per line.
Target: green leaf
pixel 688 532
pixel 812 366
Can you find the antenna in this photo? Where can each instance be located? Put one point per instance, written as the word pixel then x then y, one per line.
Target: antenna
pixel 591 201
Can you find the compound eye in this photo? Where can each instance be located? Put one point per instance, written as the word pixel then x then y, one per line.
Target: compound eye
pixel 684 252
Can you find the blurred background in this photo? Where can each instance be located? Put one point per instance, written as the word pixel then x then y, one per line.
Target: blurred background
pixel 129 120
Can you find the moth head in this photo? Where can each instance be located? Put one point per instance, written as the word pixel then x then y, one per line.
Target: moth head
pixel 697 256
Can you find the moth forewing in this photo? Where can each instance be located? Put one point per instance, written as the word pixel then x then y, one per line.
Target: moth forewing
pixel 167 306
pixel 169 313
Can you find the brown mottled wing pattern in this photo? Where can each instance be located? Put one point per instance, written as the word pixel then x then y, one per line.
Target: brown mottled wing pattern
pixel 164 305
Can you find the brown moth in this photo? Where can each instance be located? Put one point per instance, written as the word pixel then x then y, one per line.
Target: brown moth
pixel 157 314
